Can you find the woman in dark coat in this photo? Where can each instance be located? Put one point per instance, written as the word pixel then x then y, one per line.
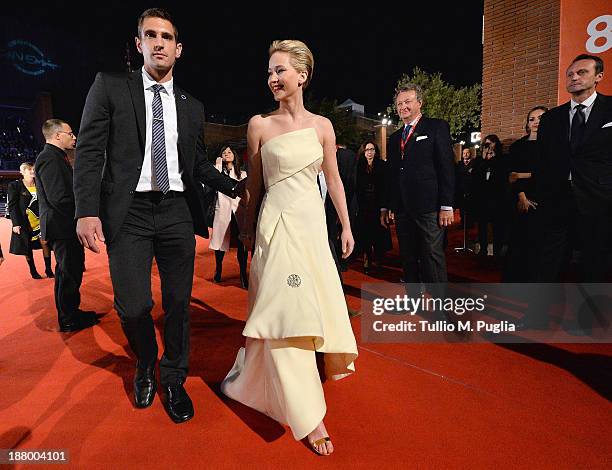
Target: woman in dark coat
pixel 23 210
pixel 371 236
pixel 523 156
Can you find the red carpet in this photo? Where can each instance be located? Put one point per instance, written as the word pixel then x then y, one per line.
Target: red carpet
pixel 408 406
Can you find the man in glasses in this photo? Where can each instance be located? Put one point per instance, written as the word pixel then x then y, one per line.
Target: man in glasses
pixel 57 224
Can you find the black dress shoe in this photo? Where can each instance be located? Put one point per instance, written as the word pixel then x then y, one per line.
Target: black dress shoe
pixel 177 402
pixel 87 315
pixel 144 387
pixel 77 324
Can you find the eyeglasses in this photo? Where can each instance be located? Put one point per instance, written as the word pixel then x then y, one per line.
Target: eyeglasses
pixel 71 134
pixel 370 149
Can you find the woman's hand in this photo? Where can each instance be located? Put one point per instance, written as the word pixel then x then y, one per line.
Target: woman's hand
pixel 347 243
pixel 17 229
pixel 525 204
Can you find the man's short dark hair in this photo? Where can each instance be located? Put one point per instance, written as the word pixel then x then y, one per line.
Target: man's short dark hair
pixel 599 65
pixel 157 13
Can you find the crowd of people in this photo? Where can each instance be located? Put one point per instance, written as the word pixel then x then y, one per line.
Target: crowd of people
pixel 495 193
pixel 141 175
pixel 17 144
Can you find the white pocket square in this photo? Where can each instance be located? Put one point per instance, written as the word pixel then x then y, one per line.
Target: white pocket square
pixel 607 125
pixel 421 137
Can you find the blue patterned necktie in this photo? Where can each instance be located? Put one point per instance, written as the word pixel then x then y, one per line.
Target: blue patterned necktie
pixel 405 132
pixel 158 143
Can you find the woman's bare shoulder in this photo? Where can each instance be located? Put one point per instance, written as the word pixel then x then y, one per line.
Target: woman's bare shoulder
pixel 260 122
pixel 322 123
pixel 324 129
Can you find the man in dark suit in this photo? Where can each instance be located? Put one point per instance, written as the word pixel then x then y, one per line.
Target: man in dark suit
pixel 573 181
pixel 139 165
pixel 420 190
pixel 57 225
pixel 573 177
pixel 464 181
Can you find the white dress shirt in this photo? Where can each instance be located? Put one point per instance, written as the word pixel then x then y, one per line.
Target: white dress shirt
pixel 145 182
pixel 587 110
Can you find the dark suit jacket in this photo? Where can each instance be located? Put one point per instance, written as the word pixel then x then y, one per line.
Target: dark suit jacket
pixel 425 179
pixel 110 151
pixel 347 168
pixel 464 178
pixel 590 165
pixel 491 196
pixel 18 201
pixel 55 195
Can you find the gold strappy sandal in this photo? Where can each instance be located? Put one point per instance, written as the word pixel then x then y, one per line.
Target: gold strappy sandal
pixel 318 442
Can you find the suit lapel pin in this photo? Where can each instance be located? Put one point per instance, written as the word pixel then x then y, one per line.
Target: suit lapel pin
pixel 183 97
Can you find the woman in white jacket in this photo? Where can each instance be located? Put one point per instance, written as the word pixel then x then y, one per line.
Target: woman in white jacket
pixel 226 222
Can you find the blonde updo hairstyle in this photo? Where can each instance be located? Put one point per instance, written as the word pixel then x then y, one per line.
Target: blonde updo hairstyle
pixel 300 57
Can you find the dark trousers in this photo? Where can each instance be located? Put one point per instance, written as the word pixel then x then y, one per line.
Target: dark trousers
pixel 161 229
pixel 498 227
pixel 555 222
pixel 421 244
pixel 69 258
pixel 563 227
pixel 595 234
pixel 521 245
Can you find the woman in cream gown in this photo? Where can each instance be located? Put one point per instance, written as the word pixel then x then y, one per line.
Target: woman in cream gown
pixel 296 303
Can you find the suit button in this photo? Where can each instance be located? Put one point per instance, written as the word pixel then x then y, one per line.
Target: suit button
pixel 131 192
pixel 139 168
pixel 401 167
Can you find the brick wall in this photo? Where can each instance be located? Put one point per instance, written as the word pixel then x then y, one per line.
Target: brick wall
pixel 220 133
pixel 520 63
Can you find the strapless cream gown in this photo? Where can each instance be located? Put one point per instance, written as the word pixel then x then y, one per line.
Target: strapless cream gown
pixel 296 303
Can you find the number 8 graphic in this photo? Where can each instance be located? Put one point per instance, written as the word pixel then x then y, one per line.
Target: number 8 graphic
pixel 595 34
